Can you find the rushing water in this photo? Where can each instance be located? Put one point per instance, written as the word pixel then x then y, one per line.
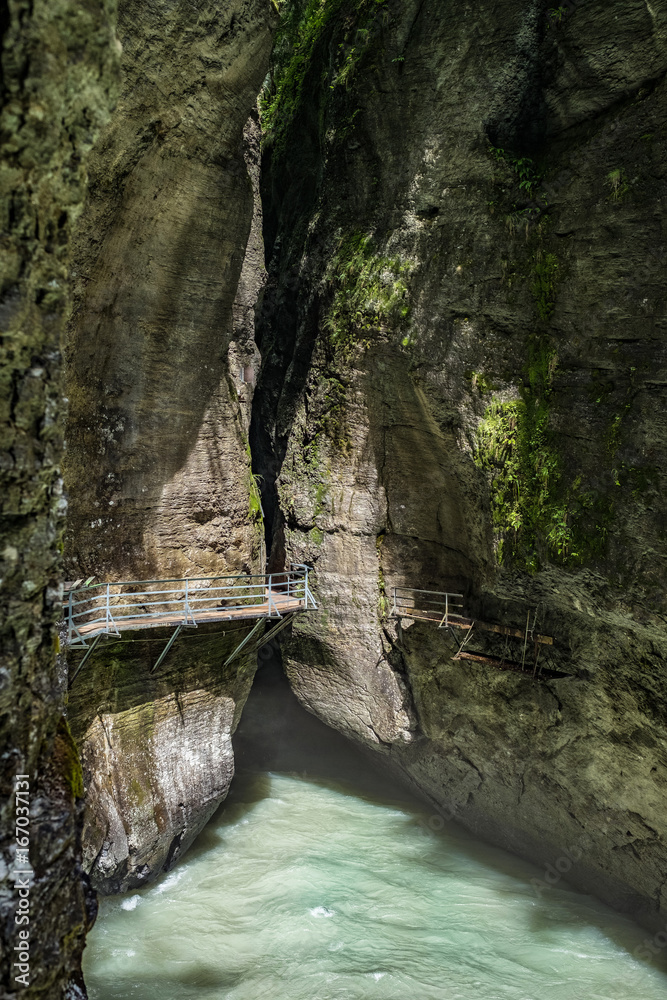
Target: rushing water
pixel 320 880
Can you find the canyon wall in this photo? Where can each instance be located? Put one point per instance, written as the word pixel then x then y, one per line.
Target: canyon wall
pixel 157 468
pixel 59 82
pixel 156 746
pixel 463 389
pixel 160 361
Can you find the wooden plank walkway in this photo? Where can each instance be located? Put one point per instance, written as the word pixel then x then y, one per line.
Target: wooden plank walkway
pixel 444 609
pixel 281 604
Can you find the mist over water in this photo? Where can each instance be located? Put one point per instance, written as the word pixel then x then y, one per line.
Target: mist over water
pixel 320 879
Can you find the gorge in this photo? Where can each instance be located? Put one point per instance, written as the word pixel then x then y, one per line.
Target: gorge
pixel 372 286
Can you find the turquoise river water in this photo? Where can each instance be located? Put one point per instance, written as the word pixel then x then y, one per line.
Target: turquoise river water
pixel 320 879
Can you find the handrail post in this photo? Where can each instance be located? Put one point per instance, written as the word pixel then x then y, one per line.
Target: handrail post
pixel 186 600
pixel 447 609
pixel 108 614
pixel 305 585
pixel 70 630
pixel 270 578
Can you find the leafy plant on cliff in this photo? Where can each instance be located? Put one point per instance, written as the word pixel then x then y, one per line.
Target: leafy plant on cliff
pixel 524 168
pixel 617 181
pixel 302 29
pixel 254 497
pixel 370 293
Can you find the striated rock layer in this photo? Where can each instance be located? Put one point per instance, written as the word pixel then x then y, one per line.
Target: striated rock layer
pixel 156 747
pixel 158 471
pixel 463 389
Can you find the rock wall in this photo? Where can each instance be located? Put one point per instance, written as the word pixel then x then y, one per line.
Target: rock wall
pixel 157 470
pixel 463 388
pixel 167 269
pixel 59 82
pixel 156 746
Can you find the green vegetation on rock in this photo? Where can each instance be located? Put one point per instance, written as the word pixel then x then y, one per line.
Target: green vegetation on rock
pixel 544 283
pixel 524 168
pixel 303 27
pixel 67 756
pixel 371 294
pixel 617 181
pixel 538 516
pixel 255 500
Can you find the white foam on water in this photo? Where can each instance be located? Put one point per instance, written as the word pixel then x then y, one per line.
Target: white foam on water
pixel 171 880
pixel 130 903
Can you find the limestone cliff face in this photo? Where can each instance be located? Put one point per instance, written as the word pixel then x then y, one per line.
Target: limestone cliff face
pixel 157 468
pixel 59 77
pixel 168 267
pixel 463 388
pixel 156 747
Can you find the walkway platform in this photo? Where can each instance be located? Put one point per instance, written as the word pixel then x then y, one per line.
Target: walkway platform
pixel 445 610
pixel 279 606
pixel 112 608
pixel 109 609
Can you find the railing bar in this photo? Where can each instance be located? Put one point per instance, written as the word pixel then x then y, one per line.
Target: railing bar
pixel 100 608
pixel 192 579
pixel 422 590
pixel 441 593
pixel 435 604
pixel 179 591
pixel 176 579
pixel 428 600
pixel 425 605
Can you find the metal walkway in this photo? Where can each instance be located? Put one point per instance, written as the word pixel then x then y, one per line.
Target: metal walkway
pixel 113 608
pixel 446 611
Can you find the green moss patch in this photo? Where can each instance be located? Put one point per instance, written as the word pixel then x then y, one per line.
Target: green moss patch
pixel 545 276
pixel 66 756
pixel 538 516
pixel 371 295
pixel 303 29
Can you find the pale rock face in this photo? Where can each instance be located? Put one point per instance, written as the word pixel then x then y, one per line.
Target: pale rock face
pixel 167 268
pixel 154 776
pixel 157 469
pixel 155 745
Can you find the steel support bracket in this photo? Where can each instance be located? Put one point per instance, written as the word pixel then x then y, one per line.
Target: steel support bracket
pixel 167 648
pixel 244 642
pixel 87 654
pixel 275 630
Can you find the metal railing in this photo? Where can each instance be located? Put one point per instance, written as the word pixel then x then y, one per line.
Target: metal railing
pixel 427 605
pixel 109 608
